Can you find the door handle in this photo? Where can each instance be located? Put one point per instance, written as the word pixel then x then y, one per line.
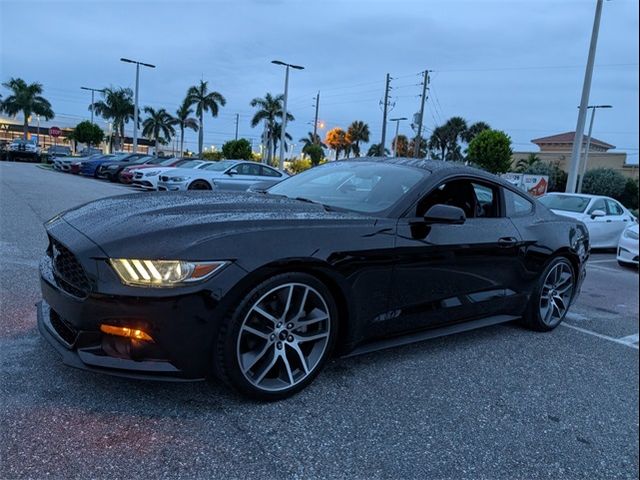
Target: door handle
pixel 507 241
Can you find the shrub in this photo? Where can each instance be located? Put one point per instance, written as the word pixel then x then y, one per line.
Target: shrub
pixel 491 150
pixel 604 181
pixel 237 150
pixel 299 165
pixel 557 176
pixel 315 152
pixel 629 196
pixel 212 156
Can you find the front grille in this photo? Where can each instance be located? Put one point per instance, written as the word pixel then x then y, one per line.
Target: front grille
pixel 63 328
pixel 72 277
pixel 164 178
pixel 138 175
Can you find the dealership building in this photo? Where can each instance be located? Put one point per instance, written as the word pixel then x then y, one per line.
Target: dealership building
pixel 11 129
pixel 557 149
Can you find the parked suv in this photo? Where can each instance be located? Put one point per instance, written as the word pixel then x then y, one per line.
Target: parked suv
pixel 21 149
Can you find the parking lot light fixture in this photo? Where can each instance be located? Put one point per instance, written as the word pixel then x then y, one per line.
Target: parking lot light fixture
pixel 588 145
pixel 135 101
pixel 283 133
pixel 92 90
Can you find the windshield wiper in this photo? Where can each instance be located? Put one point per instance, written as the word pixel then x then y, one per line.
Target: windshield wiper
pixel 308 200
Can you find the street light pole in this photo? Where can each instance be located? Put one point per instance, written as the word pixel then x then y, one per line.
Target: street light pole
pixel 92 90
pixel 395 139
pixel 135 100
pixel 588 146
pixel 283 133
pixel 584 101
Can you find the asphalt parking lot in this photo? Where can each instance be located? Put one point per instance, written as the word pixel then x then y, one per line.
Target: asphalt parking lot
pixel 502 402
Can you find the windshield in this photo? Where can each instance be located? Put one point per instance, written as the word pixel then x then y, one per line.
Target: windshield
pixel 220 166
pixel 189 163
pixel 359 186
pixel 566 203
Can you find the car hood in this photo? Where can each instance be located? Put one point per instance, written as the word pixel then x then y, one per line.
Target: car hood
pixel 168 223
pixel 188 172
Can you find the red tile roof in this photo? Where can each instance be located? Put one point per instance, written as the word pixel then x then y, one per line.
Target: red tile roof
pixel 569 137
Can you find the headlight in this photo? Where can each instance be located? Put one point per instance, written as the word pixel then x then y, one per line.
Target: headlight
pixel 630 234
pixel 177 179
pixel 152 173
pixel 162 273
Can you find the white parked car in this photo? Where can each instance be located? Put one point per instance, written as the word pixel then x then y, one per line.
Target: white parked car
pixel 604 217
pixel 238 175
pixel 147 178
pixel 628 246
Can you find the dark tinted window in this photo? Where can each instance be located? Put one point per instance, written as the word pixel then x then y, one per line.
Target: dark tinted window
pixel 516 205
pixel 269 172
pixel 478 200
pixel 248 169
pixel 613 208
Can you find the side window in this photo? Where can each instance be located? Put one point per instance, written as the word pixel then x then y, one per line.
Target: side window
pixel 613 208
pixel 598 205
pixel 269 172
pixel 516 205
pixel 478 200
pixel 248 169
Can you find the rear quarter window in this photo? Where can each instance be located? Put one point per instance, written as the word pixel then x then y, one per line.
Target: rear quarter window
pixel 516 205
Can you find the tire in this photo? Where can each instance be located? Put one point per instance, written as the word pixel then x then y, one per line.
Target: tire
pixel 267 351
pixel 552 296
pixel 199 185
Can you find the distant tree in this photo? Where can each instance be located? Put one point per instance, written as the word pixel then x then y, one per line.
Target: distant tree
pixel 311 139
pixel 237 149
pixel 300 165
pixel 557 176
pixel 270 110
pixel 473 131
pixel 375 150
pixel 423 148
pixel 439 143
pixel 357 132
pixel 491 150
pixel 184 120
pixel 158 126
pixel 604 181
pixel 315 153
pixel 26 99
pixel 88 133
pixel 456 129
pixel 525 163
pixel 204 101
pixel 336 140
pixel 277 132
pixel 117 106
pixel 212 156
pixel 400 146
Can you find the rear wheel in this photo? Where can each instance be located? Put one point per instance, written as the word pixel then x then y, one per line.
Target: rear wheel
pixel 551 299
pixel 199 185
pixel 278 339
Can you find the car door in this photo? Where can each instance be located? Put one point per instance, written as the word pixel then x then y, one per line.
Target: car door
pixel 600 227
pixel 240 177
pixel 449 273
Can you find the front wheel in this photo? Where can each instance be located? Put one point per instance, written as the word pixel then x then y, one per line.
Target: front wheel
pixel 199 185
pixel 550 300
pixel 278 339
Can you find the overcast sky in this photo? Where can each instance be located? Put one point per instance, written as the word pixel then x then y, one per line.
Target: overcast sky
pixel 517 65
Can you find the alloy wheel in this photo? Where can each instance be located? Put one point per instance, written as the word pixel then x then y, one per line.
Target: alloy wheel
pixel 283 337
pixel 556 294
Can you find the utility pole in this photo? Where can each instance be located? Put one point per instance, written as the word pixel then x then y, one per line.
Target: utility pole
pixel 315 120
pixel 93 90
pixel 423 99
pixel 584 101
pixel 384 115
pixel 583 170
pixel 237 118
pixel 135 101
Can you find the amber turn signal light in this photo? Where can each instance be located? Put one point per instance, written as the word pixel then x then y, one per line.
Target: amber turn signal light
pixel 133 333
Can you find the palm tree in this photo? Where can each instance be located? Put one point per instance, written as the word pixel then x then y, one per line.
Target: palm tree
pixel 269 111
pixel 336 140
pixel 375 150
pixel 183 120
pixel 275 138
pixel 524 163
pixel 439 142
pixel 358 132
pixel 26 99
pixel 400 145
pixel 473 131
pixel 116 106
pixel 312 139
pixel 456 128
pixel 205 101
pixel 159 126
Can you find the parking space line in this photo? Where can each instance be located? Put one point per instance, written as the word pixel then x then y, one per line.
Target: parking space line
pixel 620 341
pixel 606 260
pixel 630 338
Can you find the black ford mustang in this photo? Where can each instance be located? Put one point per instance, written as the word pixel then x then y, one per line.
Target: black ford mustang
pixel 260 289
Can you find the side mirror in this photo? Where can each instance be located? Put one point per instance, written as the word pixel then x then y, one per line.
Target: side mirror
pixel 445 214
pixel 598 213
pixel 231 172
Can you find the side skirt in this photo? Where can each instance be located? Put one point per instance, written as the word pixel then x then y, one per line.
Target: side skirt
pixel 429 334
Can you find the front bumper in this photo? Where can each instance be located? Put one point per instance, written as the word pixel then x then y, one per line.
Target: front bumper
pixel 182 327
pixel 172 186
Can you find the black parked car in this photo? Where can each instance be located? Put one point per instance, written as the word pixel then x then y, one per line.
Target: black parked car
pixel 260 289
pixel 111 170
